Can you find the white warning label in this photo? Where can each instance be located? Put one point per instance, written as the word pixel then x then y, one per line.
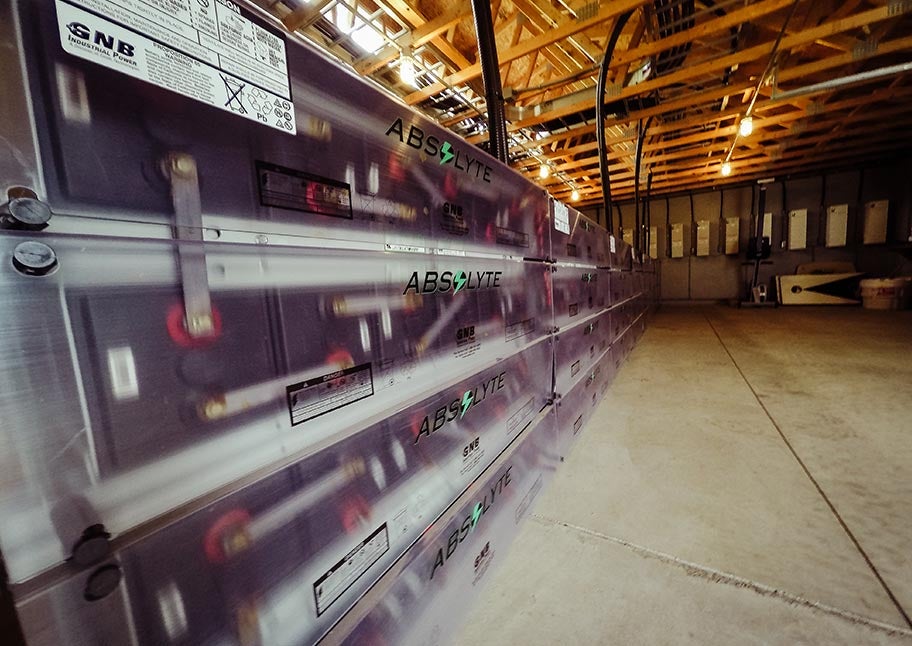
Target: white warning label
pixel 203 49
pixel 562 217
pixel 321 395
pixel 343 574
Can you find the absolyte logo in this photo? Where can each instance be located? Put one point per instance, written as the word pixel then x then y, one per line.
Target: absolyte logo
pixel 471 521
pixel 434 147
pixel 467 398
pixel 450 280
pixel 446 152
pixel 460 406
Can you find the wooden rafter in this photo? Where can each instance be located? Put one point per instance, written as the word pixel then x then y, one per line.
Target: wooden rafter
pixel 549 54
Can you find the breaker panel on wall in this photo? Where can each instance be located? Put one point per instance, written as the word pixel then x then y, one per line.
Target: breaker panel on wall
pixel 287 355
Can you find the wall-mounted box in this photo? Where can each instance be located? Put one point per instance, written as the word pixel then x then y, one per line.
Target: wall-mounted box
pixel 677 240
pixel 797 231
pixel 703 237
pixel 654 242
pixel 732 235
pixel 627 235
pixel 768 226
pixel 837 225
pixel 875 222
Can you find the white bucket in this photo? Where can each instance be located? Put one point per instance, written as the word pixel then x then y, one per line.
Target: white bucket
pixel 886 293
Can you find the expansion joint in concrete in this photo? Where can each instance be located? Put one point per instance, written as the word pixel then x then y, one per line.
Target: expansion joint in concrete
pixel 718 576
pixel 814 481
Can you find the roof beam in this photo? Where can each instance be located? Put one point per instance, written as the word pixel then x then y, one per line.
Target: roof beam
pixel 418 37
pixel 691 72
pixel 569 28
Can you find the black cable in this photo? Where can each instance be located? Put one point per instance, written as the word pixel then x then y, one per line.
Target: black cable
pixel 490 74
pixel 600 115
pixel 641 136
pixel 648 210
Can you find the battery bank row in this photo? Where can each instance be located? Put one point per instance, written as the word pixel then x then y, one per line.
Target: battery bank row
pixel 272 387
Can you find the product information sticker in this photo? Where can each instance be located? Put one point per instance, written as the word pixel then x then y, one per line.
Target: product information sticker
pixel 343 574
pixel 562 218
pixel 203 49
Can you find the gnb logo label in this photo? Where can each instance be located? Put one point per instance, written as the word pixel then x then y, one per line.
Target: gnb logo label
pixel 99 40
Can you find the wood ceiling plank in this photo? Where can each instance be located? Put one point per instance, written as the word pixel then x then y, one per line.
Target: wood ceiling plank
pixel 622 59
pixel 568 28
pixel 414 18
pixel 708 96
pixel 418 37
pixel 305 16
pixel 517 34
pixel 702 30
pixel 690 72
pixel 698 174
pixel 555 55
pixel 624 191
pixel 761 167
pixel 867 125
pixel 760 124
pixel 554 18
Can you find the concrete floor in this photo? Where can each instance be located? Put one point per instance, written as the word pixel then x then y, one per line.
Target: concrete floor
pixel 747 480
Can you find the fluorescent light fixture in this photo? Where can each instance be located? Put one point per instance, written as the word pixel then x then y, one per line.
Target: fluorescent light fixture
pixel 544 171
pixel 746 127
pixel 407 70
pixel 726 169
pixel 574 196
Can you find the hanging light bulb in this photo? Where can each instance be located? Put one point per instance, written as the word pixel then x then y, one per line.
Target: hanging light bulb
pixel 407 70
pixel 574 196
pixel 544 171
pixel 746 127
pixel 726 169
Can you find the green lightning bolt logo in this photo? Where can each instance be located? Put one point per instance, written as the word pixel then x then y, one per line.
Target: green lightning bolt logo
pixel 459 281
pixel 476 514
pixel 466 402
pixel 446 152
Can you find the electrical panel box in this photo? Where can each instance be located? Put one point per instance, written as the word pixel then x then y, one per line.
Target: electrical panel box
pixel 703 231
pixel 627 235
pixel 732 235
pixel 837 225
pixel 875 222
pixel 768 226
pixel 654 242
pixel 797 230
pixel 677 240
